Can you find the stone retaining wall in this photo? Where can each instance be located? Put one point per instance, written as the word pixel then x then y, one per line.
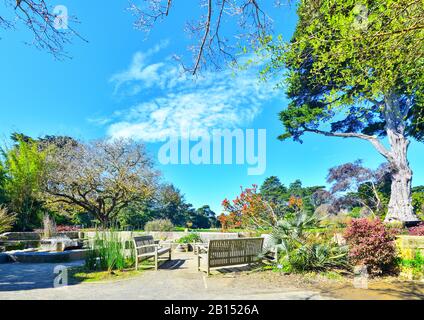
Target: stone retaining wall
pixel 170 236
pixel 412 243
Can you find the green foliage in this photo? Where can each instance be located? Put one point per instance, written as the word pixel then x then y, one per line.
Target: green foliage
pixel 342 67
pixel 415 265
pixel 203 218
pixel 278 195
pixel 6 219
pixel 136 215
pixel 418 201
pixel 24 166
pixel 300 250
pixel 107 252
pixel 159 225
pixel 190 238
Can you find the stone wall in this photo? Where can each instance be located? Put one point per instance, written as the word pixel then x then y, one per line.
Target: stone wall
pixel 169 236
pixel 33 236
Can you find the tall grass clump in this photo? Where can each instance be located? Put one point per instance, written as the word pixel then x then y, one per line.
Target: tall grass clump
pixel 107 253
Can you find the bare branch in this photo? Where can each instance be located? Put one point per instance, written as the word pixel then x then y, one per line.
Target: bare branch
pixel 51 31
pixel 374 140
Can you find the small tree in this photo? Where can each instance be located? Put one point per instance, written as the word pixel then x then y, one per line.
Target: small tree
pixel 363 186
pixel 99 177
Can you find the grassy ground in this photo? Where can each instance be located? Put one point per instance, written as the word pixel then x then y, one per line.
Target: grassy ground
pixel 81 274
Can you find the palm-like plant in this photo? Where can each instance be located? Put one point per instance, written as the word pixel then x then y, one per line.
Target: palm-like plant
pixel 299 251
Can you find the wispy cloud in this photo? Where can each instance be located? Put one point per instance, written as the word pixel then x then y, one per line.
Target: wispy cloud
pixel 170 100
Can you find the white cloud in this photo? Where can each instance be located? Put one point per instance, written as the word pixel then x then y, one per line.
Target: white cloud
pixel 171 100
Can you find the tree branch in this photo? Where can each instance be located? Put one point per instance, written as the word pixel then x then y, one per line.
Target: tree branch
pixel 374 140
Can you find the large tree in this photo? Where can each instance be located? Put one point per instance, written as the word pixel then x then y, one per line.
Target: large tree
pixel 100 177
pixel 357 72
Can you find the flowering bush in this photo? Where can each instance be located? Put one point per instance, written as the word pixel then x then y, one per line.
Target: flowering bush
pixel 62 228
pixel 230 221
pixel 371 244
pixel 248 210
pixel 417 231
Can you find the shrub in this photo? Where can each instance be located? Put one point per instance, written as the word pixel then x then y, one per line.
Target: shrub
pixel 413 266
pixel 190 238
pixel 159 225
pixel 417 231
pixel 371 244
pixel 6 220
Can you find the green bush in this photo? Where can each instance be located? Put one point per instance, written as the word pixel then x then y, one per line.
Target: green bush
pixel 190 238
pixel 416 265
pixel 107 252
pixel 159 225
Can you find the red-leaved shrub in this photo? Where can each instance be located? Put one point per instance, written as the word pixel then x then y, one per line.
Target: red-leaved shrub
pixel 371 244
pixel 418 230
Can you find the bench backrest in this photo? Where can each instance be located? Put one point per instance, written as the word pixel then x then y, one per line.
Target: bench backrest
pixel 142 241
pixel 226 252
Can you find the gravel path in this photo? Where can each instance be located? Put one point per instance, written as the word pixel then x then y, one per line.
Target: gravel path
pixel 177 279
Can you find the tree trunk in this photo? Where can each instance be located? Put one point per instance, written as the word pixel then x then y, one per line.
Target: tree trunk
pixel 400 204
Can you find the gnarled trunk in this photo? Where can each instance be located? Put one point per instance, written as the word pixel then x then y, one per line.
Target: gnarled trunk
pixel 400 204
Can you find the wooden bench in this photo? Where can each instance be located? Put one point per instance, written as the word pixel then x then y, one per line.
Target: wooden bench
pixel 229 252
pixel 146 248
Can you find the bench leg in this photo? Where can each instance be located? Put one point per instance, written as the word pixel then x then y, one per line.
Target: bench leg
pixel 169 255
pixel 198 262
pixel 209 271
pixel 136 263
pixel 156 262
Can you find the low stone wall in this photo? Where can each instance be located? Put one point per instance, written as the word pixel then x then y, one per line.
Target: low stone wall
pixel 411 243
pixel 167 236
pixel 33 236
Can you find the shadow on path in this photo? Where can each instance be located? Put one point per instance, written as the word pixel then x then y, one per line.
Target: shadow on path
pixel 23 276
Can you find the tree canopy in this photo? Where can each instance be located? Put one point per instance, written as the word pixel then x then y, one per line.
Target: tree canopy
pixel 356 71
pixel 99 177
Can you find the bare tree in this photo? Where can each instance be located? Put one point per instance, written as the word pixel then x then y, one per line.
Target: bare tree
pixel 99 177
pixel 51 31
pixel 223 28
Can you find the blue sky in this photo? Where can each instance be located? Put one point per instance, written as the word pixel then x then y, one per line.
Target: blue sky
pixel 122 84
